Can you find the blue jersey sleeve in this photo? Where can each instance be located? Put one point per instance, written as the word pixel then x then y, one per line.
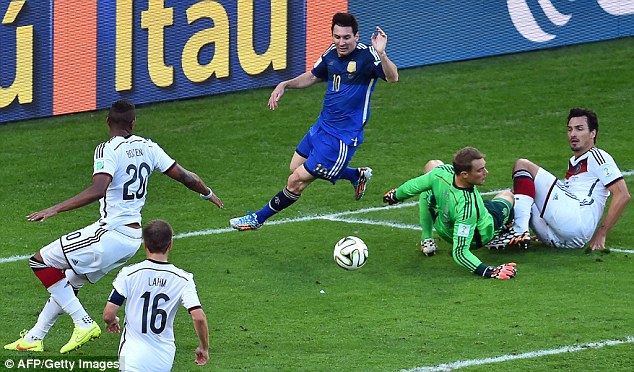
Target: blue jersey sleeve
pixel 320 69
pixel 378 66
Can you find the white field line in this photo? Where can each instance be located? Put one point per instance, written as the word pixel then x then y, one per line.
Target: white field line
pixel 328 217
pixel 14 258
pixel 331 217
pixel 532 354
pixel 621 250
pixel 373 222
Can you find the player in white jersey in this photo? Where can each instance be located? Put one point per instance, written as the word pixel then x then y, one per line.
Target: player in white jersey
pixel 153 290
pixel 122 166
pixel 566 213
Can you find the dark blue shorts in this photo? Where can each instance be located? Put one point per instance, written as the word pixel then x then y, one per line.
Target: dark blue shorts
pixel 326 156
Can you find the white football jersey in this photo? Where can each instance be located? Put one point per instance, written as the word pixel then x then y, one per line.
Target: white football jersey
pixel 589 175
pixel 153 291
pixel 130 162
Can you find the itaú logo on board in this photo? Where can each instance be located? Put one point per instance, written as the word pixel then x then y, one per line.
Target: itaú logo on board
pixel 525 23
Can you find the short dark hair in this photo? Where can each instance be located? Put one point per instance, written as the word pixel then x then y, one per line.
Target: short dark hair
pixel 344 20
pixel 122 113
pixel 157 236
pixel 591 119
pixel 463 158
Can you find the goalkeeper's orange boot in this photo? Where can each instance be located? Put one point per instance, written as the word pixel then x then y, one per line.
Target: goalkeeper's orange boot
pixel 510 238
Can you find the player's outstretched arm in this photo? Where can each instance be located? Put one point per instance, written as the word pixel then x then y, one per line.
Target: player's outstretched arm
pixel 202 330
pixel 302 81
pixel 110 317
pixel 461 253
pixel 194 183
pixel 379 42
pixel 92 193
pixel 426 221
pixel 620 198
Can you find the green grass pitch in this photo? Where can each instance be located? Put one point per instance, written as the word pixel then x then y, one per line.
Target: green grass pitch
pixel 262 290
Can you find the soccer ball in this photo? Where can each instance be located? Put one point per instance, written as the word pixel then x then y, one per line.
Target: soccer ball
pixel 351 253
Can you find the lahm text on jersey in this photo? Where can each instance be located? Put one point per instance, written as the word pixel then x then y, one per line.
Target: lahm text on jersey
pixel 157 282
pixel 134 152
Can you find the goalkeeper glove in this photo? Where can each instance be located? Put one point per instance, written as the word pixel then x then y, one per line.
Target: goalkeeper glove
pixel 428 247
pixel 390 197
pixel 502 272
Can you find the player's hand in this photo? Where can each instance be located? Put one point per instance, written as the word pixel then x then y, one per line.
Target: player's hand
pixel 390 197
pixel 428 247
pixel 277 93
pixel 597 241
pixel 202 356
pixel 379 40
pixel 114 326
pixel 216 200
pixel 212 198
pixel 504 271
pixel 41 216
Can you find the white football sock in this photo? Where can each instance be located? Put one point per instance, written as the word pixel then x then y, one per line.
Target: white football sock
pixel 522 210
pixel 47 318
pixel 62 292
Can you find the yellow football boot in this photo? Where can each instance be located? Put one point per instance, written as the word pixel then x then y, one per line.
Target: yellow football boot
pixel 81 336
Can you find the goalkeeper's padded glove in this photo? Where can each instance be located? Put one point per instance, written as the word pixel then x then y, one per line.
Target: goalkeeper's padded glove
pixel 428 247
pixel 390 197
pixel 502 272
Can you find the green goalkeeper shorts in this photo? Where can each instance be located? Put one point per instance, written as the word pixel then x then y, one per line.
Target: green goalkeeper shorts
pixel 502 212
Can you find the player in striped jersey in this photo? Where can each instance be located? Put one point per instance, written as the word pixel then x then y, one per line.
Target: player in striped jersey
pixel 351 70
pixel 451 203
pixel 566 213
pixel 121 168
pixel 153 290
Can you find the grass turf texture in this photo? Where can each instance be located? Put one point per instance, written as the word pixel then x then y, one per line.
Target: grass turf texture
pixel 261 290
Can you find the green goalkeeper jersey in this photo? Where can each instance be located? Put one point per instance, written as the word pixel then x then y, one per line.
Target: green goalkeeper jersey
pixel 458 214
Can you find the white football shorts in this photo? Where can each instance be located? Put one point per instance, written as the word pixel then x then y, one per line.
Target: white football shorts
pixel 558 217
pixel 93 251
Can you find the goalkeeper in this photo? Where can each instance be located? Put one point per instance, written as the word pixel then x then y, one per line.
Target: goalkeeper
pixel 450 202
